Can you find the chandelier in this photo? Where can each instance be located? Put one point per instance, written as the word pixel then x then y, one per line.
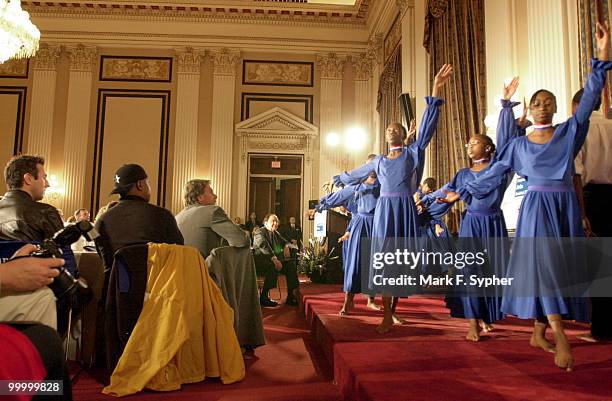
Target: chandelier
pixel 18 35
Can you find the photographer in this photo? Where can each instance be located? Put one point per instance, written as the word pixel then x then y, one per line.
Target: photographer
pixel 22 216
pixel 30 351
pixel 24 295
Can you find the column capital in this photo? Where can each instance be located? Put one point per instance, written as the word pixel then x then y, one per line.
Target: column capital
pixel 363 64
pixel 82 58
pixel 403 5
pixel 46 57
pixel 189 60
pixel 375 48
pixel 331 65
pixel 225 60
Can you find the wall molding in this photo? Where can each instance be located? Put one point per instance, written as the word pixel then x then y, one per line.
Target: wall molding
pixel 103 95
pixel 22 94
pixel 248 97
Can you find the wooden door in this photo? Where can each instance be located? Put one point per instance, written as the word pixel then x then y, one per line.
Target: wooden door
pixel 290 194
pixel 262 195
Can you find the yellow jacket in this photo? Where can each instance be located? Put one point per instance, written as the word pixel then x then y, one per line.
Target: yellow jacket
pixel 177 339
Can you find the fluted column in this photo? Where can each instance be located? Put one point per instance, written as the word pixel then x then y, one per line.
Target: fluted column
pixel 363 64
pixel 548 43
pixel 186 137
pixel 374 52
pixel 222 131
pixel 331 159
pixel 82 62
pixel 44 77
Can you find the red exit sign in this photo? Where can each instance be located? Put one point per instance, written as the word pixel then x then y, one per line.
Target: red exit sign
pixel 276 164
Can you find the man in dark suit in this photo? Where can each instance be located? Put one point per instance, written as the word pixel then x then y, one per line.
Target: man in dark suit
pixel 204 225
pixel 292 232
pixel 134 220
pixel 273 256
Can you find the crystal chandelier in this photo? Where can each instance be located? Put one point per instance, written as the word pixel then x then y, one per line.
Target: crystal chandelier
pixel 18 35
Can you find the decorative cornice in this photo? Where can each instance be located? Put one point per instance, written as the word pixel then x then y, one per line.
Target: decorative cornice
pixel 46 57
pixel 189 60
pixel 225 60
pixel 363 64
pixel 284 13
pixel 82 58
pixel 331 65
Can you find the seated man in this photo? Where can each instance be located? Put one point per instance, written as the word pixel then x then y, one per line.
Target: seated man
pixel 272 256
pixel 204 225
pixel 134 220
pixel 22 217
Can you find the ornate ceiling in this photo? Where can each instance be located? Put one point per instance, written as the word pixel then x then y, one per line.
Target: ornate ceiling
pixel 344 12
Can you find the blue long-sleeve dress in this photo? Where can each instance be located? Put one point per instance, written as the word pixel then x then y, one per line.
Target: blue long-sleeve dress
pixel 364 196
pixel 395 215
pixel 549 211
pixel 484 220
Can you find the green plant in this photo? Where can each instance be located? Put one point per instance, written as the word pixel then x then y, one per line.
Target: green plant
pixel 312 261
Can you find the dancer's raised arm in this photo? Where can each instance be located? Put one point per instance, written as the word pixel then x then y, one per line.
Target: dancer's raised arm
pixel 429 122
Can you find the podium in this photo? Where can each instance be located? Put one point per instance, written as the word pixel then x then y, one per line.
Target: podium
pixel 332 225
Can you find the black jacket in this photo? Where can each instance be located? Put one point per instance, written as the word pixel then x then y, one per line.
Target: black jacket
pixel 134 221
pixel 269 243
pixel 23 219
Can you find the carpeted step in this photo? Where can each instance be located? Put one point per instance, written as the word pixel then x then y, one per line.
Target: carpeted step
pixel 301 392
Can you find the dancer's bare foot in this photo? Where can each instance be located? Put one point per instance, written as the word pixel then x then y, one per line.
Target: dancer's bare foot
pixel 486 327
pixel 563 355
pixel 473 333
pixel 587 337
pixel 537 341
pixel 372 305
pixel 398 320
pixel 347 306
pixel 385 325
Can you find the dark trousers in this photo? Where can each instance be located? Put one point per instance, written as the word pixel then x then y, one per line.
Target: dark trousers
pixel 49 346
pixel 265 268
pixel 599 213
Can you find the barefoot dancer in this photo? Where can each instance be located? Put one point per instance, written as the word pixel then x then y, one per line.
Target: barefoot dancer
pixel 484 219
pixel 398 173
pixel 364 195
pixel 550 207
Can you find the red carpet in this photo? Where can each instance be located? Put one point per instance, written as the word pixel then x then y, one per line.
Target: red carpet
pixel 428 359
pixel 290 364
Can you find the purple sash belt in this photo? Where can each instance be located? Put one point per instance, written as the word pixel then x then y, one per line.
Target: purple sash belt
pixel 483 212
pixel 394 194
pixel 550 188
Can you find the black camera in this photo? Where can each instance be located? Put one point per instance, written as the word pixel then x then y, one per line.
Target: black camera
pixel 65 283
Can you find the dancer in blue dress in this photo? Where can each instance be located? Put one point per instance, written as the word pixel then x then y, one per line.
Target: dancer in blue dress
pixel 549 209
pixel 399 174
pixel 484 220
pixel 364 196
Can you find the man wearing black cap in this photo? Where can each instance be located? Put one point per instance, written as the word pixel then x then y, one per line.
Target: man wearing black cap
pixel 134 220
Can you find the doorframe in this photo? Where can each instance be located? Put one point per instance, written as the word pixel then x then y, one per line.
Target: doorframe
pixel 277 132
pixel 301 177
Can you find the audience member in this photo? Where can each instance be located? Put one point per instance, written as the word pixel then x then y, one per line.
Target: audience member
pixel 252 222
pixel 292 232
pixel 593 184
pixel 133 220
pixel 204 225
pixel 272 256
pixel 22 217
